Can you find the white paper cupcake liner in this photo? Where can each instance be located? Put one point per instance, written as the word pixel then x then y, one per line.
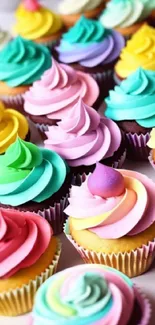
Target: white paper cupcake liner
pixel 136 145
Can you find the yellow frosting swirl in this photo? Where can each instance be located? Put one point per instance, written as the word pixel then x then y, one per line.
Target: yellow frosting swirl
pixel 36 24
pixel 12 124
pixel 139 52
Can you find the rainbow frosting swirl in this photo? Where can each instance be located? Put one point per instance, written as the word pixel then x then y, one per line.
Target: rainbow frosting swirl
pixel 88 294
pixel 68 7
pixel 113 203
pixel 90 44
pixel 58 90
pixel 24 237
pixel 139 52
pixel 22 62
pixel 12 124
pixel 29 173
pixel 84 137
pixel 134 99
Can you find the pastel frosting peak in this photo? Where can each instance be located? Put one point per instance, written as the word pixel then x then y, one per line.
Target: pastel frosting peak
pixel 127 214
pixel 83 137
pixel 68 7
pixel 24 237
pixel 90 44
pixel 22 62
pixel 106 182
pixel 12 124
pixel 87 294
pixel 134 99
pixel 138 52
pixel 31 5
pixel 29 173
pixel 58 91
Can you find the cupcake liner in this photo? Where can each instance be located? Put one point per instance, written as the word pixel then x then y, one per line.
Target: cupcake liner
pixel 136 145
pixel 131 263
pixel 13 101
pixel 105 82
pixel 20 301
pixel 152 162
pixel 144 304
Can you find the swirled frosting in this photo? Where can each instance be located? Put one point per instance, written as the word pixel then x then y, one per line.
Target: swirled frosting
pixel 12 124
pixel 87 294
pixel 22 62
pixel 83 137
pixel 29 173
pixel 58 90
pixel 24 237
pixel 125 13
pixel 134 99
pixel 139 52
pixel 127 212
pixel 35 22
pixel 67 7
pixel 90 44
pixel 5 37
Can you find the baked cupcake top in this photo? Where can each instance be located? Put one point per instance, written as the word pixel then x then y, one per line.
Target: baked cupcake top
pixel 24 237
pixel 125 13
pixel 35 21
pixel 68 7
pixel 113 203
pixel 5 37
pixel 139 52
pixel 90 44
pixel 58 90
pixel 134 99
pixel 89 294
pixel 12 124
pixel 29 173
pixel 22 62
pixel 84 137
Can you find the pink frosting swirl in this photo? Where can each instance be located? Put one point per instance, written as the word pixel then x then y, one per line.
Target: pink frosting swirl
pixel 24 237
pixel 58 90
pixel 84 137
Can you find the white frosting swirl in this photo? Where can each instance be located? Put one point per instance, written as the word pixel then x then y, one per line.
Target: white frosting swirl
pixel 67 7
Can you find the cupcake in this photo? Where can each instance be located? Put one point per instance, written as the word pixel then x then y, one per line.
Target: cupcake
pixel 151 145
pixel 126 16
pixel 91 48
pixel 114 222
pixel 84 137
pixel 21 63
pixel 12 124
pixel 52 97
pixel 132 106
pixel 36 180
pixel 139 52
pixel 71 11
pixel 5 38
pixel 37 23
pixel 29 255
pixel 90 294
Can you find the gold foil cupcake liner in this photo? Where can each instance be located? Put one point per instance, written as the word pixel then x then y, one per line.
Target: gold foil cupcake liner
pixel 20 301
pixel 131 263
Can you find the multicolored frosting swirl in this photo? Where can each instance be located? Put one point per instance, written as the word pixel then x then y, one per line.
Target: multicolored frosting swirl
pixel 22 62
pixel 29 173
pixel 125 13
pixel 83 137
pixel 68 7
pixel 58 90
pixel 139 52
pixel 113 203
pixel 134 99
pixel 35 21
pixel 90 44
pixel 24 237
pixel 5 37
pixel 12 124
pixel 88 294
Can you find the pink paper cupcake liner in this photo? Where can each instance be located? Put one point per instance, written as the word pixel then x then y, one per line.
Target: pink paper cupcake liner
pixel 13 102
pixel 136 145
pixel 132 263
pixel 145 306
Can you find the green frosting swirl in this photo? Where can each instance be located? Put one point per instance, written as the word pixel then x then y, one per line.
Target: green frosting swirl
pixel 134 99
pixel 85 31
pixel 29 173
pixel 22 62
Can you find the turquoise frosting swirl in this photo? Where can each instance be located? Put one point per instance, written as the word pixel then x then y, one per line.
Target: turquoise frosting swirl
pixel 85 31
pixel 22 62
pixel 134 99
pixel 29 173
